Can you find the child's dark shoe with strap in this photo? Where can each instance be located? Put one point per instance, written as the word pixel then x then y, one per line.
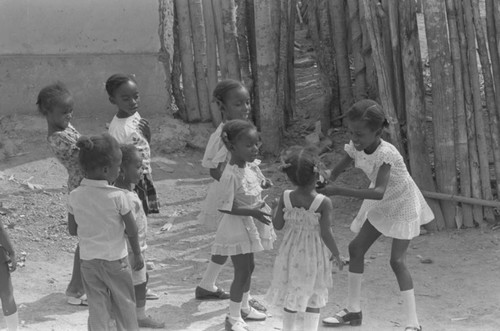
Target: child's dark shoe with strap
pixel 201 294
pixel 344 317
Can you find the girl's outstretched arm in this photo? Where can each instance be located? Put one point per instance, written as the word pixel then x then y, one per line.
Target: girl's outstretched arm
pixel 278 220
pixel 375 193
pixel 325 228
pixel 133 238
pixel 256 213
pixel 345 162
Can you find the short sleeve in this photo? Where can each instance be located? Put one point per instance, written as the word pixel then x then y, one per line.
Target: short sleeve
pixel 228 186
pixel 122 203
pixel 62 145
pixel 350 150
pixel 388 154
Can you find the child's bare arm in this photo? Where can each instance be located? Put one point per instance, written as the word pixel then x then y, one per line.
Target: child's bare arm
pixel 256 213
pixel 7 245
pixel 133 238
pixel 72 226
pixel 375 193
pixel 345 162
pixel 216 173
pixel 278 220
pixel 325 225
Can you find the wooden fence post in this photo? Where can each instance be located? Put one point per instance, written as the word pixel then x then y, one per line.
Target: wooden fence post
pixel 186 52
pixel 415 106
pixel 356 44
pixel 230 39
pixel 219 29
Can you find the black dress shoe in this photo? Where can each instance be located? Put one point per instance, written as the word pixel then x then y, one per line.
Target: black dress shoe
pixel 344 317
pixel 202 294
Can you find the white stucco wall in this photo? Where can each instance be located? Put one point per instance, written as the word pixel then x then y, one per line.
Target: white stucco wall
pixel 81 43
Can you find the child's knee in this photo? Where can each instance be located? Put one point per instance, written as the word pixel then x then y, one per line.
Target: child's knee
pixel 355 250
pixel 397 264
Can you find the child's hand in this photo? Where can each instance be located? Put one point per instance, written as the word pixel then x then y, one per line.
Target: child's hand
pixel 138 262
pixel 266 183
pixel 338 261
pixel 145 129
pixel 261 216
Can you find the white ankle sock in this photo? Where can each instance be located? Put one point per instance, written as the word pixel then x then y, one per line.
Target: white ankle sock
pixel 354 292
pixel 289 321
pixel 235 310
pixel 210 276
pixel 244 302
pixel 311 321
pixel 12 322
pixel 410 307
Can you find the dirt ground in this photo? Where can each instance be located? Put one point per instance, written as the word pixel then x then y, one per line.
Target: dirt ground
pixel 458 290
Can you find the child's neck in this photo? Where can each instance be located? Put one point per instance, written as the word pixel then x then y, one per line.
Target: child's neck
pixel 306 190
pixel 238 161
pixel 123 114
pixel 124 184
pixel 51 128
pixel 373 147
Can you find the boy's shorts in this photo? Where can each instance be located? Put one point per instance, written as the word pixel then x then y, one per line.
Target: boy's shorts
pixel 138 276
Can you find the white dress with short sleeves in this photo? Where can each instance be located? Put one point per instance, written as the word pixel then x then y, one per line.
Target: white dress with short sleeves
pixel 403 208
pixel 215 153
pixel 241 234
pixel 302 270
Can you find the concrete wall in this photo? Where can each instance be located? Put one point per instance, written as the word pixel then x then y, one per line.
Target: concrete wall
pixel 81 43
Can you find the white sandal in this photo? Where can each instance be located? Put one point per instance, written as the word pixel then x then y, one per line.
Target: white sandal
pixel 80 301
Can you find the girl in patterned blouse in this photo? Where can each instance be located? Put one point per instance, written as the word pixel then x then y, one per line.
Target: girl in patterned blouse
pixel 55 102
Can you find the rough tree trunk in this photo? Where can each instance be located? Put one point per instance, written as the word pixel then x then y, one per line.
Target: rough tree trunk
pixel 241 30
pixel 231 39
pixel 200 58
pixel 442 103
pixel 266 71
pixel 219 30
pixel 177 71
pixel 356 44
pixel 415 106
pixel 165 30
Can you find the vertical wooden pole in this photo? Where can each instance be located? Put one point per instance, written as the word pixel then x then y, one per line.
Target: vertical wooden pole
pixel 442 104
pixel 200 58
pixel 484 167
pixel 231 39
pixel 165 29
pixel 415 106
pixel 266 70
pixel 461 144
pixel 177 71
pixel 356 44
pixel 281 60
pixel 339 33
pixel 472 144
pixel 371 73
pixel 383 71
pixel 252 48
pixel 219 29
pixel 241 30
pixel 290 101
pixel 188 71
pixel 211 49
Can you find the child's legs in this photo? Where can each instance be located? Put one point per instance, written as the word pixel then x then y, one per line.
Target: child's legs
pixel 398 257
pixel 360 245
pixel 6 291
pixel 75 286
pixel 97 295
pixel 118 278
pixel 140 295
pixel 243 268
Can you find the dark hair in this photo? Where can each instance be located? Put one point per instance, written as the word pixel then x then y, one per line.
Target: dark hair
pixel 49 95
pixel 370 112
pixel 97 151
pixel 117 80
pixel 128 151
pixel 223 87
pixel 233 129
pixel 300 164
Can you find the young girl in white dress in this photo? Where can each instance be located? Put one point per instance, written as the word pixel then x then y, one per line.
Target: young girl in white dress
pixel 393 206
pixel 302 270
pixel 245 225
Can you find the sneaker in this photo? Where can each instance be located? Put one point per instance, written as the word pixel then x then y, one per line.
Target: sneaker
pixel 150 295
pixel 201 294
pixel 257 305
pixel 235 325
pixel 149 322
pixel 253 315
pixel 78 301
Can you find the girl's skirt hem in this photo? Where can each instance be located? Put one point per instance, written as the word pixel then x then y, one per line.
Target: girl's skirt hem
pixel 236 249
pixel 294 300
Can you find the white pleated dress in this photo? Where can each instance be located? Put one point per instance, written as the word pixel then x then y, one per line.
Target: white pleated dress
pixel 302 270
pixel 403 208
pixel 241 234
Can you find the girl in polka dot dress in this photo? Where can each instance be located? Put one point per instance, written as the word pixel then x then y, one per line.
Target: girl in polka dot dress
pixel 393 207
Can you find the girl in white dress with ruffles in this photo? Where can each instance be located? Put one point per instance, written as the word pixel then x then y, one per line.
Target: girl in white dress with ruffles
pixel 245 225
pixel 233 100
pixel 302 270
pixel 393 207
